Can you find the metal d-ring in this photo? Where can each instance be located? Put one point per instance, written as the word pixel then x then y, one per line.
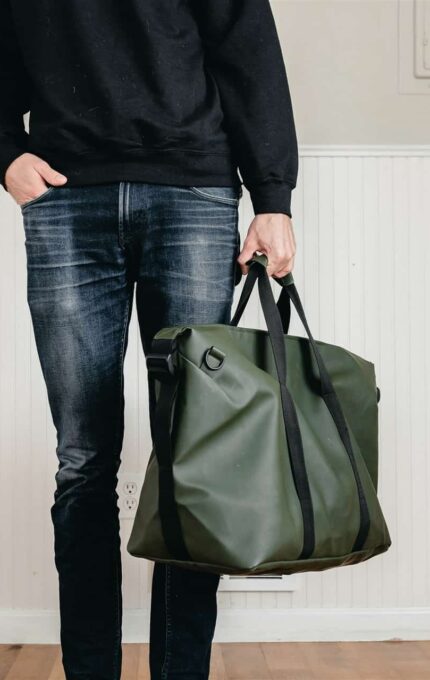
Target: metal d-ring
pixel 211 354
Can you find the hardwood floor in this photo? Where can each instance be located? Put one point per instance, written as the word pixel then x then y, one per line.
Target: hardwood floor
pixel 391 660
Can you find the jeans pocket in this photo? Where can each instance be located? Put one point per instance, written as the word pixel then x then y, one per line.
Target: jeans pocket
pixel 41 196
pixel 228 194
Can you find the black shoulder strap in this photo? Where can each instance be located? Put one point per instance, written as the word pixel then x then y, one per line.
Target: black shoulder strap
pixel 161 366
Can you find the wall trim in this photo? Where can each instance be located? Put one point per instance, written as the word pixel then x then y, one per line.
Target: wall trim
pixel 247 625
pixel 365 150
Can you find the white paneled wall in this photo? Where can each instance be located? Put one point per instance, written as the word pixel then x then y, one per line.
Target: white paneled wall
pixel 362 223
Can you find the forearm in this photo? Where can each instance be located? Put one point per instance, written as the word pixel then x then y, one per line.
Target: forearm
pixel 244 55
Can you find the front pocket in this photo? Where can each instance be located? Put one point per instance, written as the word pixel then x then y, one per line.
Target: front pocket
pixel 229 194
pixel 37 199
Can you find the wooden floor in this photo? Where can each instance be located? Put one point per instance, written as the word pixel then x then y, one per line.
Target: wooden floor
pixel 389 660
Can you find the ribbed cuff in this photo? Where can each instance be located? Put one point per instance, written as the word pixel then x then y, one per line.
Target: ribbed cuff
pixel 274 197
pixel 8 153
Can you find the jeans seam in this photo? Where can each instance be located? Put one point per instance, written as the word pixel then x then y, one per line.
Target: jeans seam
pixel 127 202
pixel 217 199
pixel 121 214
pixel 167 654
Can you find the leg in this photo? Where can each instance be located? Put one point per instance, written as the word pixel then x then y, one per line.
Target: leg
pixel 189 245
pixel 79 297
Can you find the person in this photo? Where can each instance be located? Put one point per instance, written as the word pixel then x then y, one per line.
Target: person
pixel 146 118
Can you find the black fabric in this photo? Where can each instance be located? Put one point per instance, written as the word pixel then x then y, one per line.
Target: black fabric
pixel 329 395
pixel 292 428
pixel 182 92
pixel 284 308
pixel 245 295
pixel 283 302
pixel 277 325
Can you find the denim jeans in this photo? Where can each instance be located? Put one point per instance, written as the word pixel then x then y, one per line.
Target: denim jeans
pixel 88 250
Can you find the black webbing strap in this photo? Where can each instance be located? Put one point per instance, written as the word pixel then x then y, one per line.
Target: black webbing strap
pixel 275 326
pixel 291 423
pixel 329 395
pixel 247 288
pixel 161 365
pixel 284 308
pixel 283 302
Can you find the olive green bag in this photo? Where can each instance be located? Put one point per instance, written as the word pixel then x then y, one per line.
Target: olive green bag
pixel 265 447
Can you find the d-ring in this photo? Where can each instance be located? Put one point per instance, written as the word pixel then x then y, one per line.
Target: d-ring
pixel 211 354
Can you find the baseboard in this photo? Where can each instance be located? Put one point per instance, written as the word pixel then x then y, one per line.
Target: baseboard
pixel 247 625
pixel 366 150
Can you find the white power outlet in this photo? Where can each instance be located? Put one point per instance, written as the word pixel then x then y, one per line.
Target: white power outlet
pixel 130 504
pixel 128 490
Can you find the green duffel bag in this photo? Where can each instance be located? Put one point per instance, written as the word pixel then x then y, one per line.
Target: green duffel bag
pixel 265 447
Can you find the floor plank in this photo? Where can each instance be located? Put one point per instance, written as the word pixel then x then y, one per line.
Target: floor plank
pixel 287 660
pixel 405 659
pixel 143 669
pixel 245 661
pixel 217 670
pixel 33 662
pixel 8 654
pixel 130 661
pixel 57 672
pixel 331 661
pixel 389 660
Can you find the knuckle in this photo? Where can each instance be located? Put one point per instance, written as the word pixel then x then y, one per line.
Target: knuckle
pixel 41 165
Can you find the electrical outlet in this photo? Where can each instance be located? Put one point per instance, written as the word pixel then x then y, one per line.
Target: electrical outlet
pixel 130 504
pixel 128 490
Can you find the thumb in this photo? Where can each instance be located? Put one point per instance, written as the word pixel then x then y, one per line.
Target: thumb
pixel 50 175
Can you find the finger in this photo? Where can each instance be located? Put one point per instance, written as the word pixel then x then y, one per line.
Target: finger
pixel 285 270
pixel 273 267
pixel 49 174
pixel 246 254
pixel 32 190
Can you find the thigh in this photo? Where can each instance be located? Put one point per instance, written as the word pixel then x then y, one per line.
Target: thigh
pixel 188 252
pixel 79 297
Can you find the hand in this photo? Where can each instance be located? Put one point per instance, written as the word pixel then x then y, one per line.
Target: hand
pixel 273 235
pixel 27 177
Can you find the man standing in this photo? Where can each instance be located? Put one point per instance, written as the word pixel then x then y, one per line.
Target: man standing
pixel 140 115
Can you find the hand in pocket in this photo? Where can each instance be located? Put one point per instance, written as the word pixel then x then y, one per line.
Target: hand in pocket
pixel 28 177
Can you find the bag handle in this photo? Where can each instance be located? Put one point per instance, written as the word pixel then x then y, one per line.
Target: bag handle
pixel 283 302
pixel 271 310
pixel 258 271
pixel 290 292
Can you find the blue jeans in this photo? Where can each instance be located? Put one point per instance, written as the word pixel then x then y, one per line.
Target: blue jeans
pixel 88 249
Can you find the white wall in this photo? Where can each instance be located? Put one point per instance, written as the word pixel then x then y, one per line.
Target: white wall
pixel 342 63
pixel 361 216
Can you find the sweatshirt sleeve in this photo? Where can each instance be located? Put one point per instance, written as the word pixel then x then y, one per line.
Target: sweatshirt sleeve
pixel 14 89
pixel 243 52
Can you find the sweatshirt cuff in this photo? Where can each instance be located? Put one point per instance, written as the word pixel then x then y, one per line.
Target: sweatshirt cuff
pixel 8 153
pixel 274 197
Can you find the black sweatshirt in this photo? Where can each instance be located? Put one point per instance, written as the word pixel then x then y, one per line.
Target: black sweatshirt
pixel 168 91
